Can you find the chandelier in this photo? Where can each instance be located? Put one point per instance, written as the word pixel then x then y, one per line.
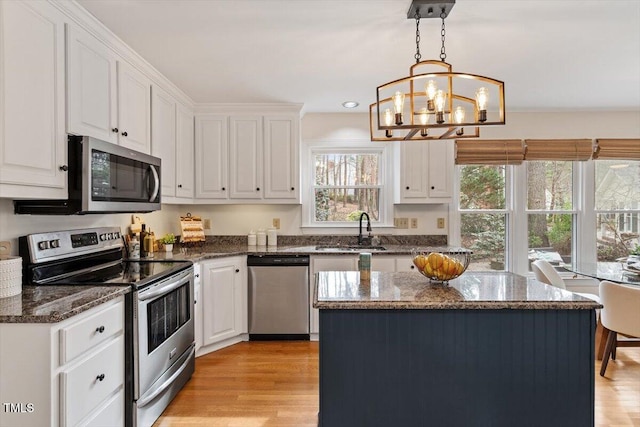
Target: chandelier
pixel 434 102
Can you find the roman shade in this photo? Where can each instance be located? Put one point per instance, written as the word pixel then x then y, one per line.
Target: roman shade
pixel 613 149
pixel 489 152
pixel 558 149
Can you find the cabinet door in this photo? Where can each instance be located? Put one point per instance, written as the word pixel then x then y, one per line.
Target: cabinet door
pixel 413 181
pixel 440 169
pixel 221 296
pixel 184 152
pixel 405 263
pixel 91 86
pixel 281 164
pixel 134 109
pixel 326 263
pixel 163 131
pixel 245 149
pixel 212 157
pixel 382 263
pixel 32 132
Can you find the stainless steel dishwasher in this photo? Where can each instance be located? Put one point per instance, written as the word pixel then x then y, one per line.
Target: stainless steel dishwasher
pixel 278 297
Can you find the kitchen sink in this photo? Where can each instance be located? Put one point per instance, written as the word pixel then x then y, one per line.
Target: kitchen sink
pixel 350 248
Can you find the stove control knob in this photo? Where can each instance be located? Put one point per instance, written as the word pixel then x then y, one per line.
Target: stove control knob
pixel 54 243
pixel 43 245
pixel 116 235
pixel 103 237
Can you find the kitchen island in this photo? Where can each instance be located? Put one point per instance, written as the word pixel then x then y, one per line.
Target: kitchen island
pixel 489 349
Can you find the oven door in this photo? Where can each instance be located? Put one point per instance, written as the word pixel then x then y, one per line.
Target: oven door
pixel 165 332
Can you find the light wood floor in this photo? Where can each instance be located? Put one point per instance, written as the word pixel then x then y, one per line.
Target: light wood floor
pixel 266 384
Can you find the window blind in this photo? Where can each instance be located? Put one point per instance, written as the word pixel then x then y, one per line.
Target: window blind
pixel 613 149
pixel 489 152
pixel 558 149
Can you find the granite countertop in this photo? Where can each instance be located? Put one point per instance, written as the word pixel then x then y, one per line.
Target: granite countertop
pixel 411 290
pixel 52 304
pixel 209 251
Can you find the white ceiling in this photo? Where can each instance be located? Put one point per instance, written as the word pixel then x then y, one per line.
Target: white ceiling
pixel 551 54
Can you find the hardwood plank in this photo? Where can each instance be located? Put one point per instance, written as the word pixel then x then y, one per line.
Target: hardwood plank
pixel 269 384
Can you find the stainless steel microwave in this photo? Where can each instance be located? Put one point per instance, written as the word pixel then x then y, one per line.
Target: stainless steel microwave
pixel 103 178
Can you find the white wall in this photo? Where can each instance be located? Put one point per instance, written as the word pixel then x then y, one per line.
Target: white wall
pixel 13 226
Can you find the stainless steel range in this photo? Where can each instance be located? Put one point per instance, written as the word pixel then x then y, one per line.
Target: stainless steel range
pixel 159 335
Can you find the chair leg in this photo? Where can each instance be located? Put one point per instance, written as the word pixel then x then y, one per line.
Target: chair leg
pixel 613 350
pixel 611 339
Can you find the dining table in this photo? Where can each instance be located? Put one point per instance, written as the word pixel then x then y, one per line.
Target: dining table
pixel 618 272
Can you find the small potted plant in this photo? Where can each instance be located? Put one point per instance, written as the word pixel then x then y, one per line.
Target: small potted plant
pixel 167 241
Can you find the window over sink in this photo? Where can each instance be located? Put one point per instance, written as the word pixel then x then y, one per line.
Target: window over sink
pixel 345 180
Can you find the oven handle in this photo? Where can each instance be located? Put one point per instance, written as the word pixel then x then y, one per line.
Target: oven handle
pixel 156 183
pixel 144 402
pixel 143 296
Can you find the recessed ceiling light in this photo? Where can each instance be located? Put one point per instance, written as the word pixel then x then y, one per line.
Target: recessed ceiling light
pixel 350 104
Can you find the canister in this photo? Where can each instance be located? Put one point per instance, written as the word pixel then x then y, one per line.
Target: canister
pixel 272 237
pixel 261 237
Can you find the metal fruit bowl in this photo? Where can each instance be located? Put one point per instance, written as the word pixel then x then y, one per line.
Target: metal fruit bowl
pixel 441 266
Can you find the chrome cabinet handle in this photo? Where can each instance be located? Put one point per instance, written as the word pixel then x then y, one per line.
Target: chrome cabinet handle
pixel 125 134
pixel 237 270
pixel 100 377
pixel 114 130
pixel 100 329
pixel 64 168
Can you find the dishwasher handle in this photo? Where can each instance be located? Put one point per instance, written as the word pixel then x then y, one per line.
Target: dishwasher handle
pixel 277 261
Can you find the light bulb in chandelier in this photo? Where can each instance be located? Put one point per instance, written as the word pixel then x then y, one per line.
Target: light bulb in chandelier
pixel 458 118
pixel 430 90
pixel 482 99
pixel 424 121
pixel 440 100
pixel 388 121
pixel 398 105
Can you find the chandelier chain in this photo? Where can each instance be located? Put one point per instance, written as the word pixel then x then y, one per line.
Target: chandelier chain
pixel 443 53
pixel 417 56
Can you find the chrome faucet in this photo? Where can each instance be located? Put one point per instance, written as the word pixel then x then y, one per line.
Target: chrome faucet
pixel 361 239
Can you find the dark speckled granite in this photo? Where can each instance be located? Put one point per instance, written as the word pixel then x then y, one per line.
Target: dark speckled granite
pixel 411 290
pixel 51 304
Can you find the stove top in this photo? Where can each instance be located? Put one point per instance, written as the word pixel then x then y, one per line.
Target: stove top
pixel 134 273
pixel 91 256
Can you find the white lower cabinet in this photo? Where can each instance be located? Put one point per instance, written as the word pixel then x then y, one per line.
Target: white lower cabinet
pixel 64 374
pixel 224 300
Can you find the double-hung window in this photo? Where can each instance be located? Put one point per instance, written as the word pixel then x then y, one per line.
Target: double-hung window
pixel 346 180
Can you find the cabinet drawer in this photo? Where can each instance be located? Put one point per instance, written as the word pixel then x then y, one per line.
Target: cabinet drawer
pixel 111 414
pixel 86 385
pixel 87 333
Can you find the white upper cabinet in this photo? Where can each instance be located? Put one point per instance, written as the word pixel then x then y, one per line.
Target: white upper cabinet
pixel 163 137
pixel 107 98
pixel 424 172
pixel 281 158
pixel 134 109
pixel 185 143
pixel 262 154
pixel 91 86
pixel 172 141
pixel 211 164
pixel 245 157
pixel 32 102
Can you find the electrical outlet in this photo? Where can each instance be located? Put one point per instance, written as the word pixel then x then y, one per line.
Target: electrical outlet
pixel 414 222
pixel 402 223
pixel 276 223
pixel 207 224
pixel 440 222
